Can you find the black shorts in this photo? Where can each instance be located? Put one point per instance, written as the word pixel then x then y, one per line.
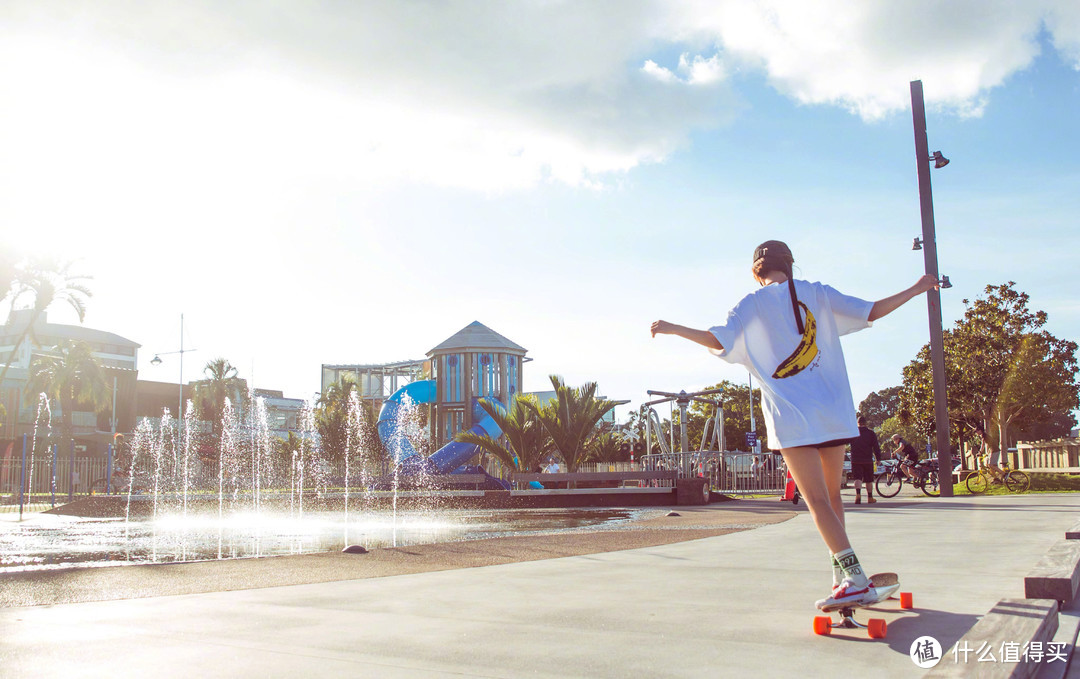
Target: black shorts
pixel 863 471
pixel 831 444
pixel 827 444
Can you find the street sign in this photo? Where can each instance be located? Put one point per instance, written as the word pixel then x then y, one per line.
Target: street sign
pixel 751 439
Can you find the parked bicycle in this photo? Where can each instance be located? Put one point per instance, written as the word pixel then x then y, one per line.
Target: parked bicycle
pixel 890 479
pixel 122 484
pixel 981 480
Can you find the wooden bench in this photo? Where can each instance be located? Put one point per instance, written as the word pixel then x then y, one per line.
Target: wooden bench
pixel 1013 621
pixel 1057 575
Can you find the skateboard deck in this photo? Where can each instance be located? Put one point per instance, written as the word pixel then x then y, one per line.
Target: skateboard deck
pixel 886 585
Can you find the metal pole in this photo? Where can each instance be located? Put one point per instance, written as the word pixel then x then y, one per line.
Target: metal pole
pixel 753 427
pixel 682 402
pixel 22 477
pixel 113 418
pixel 53 485
pixel 108 469
pixel 720 429
pixel 180 402
pixel 71 474
pixel 648 433
pixel 933 297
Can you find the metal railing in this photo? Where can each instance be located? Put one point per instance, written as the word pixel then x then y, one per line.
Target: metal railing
pixel 728 472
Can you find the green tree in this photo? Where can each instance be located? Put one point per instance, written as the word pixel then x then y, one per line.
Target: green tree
pixel 221 383
pixel 571 418
pixel 606 446
pixel 991 375
pixel 1039 384
pixel 526 440
pixel 72 377
pixel 879 406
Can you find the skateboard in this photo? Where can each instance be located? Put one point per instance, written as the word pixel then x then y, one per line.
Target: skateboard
pixel 886 584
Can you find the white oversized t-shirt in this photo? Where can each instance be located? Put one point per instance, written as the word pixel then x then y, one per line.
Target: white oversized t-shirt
pixel 806 397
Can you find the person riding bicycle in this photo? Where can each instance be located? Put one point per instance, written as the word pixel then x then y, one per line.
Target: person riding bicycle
pixel 908 456
pixel 865 449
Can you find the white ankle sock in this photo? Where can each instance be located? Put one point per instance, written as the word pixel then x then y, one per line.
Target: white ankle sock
pixel 850 565
pixel 837 572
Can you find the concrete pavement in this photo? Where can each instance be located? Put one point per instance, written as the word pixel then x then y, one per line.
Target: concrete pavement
pixel 736 605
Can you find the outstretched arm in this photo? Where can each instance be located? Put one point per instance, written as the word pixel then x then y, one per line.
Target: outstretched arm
pixel 884 307
pixel 702 337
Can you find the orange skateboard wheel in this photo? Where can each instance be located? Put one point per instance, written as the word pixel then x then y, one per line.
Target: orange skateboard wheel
pixel 905 600
pixel 822 624
pixel 876 628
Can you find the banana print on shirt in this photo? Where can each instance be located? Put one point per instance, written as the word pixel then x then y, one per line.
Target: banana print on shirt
pixel 804 354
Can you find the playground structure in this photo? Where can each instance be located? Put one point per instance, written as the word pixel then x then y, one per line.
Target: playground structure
pixel 475 363
pixel 451 458
pixel 728 472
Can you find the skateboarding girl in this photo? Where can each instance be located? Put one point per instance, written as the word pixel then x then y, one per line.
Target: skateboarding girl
pixel 787 334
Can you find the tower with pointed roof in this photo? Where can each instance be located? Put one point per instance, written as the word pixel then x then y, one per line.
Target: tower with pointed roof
pixel 475 362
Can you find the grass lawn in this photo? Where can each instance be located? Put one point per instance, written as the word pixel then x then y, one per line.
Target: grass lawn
pixel 1040 483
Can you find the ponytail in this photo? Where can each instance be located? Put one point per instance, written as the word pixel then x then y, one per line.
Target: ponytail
pixel 794 300
pixel 774 255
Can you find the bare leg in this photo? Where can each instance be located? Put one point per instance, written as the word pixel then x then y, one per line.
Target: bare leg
pixel 817 473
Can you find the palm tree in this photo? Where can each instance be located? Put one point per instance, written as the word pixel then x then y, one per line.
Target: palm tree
pixel 527 440
pixel 571 419
pixel 74 378
pixel 605 446
pixel 221 383
pixel 332 417
pixel 47 282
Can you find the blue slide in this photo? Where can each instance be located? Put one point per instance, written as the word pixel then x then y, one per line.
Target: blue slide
pixel 446 460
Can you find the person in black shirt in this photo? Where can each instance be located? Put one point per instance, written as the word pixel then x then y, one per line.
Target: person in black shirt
pixel 906 453
pixel 865 449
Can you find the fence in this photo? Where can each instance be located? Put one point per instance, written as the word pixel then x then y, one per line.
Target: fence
pixel 730 473
pixel 49 478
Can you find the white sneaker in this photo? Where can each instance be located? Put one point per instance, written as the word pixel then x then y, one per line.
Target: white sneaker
pixel 847 594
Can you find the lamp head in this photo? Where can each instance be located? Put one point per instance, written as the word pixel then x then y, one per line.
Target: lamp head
pixel 916 244
pixel 940 161
pixel 156 360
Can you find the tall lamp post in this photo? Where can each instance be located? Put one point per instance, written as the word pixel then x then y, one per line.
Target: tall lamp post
pixel 928 245
pixel 157 361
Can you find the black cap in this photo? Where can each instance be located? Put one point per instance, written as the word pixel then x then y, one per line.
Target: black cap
pixel 775 248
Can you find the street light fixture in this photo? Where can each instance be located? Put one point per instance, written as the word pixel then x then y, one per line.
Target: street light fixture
pixel 933 297
pixel 156 361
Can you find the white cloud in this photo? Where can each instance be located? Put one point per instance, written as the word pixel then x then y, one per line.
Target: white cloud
pixel 484 97
pixel 861 55
pixel 695 71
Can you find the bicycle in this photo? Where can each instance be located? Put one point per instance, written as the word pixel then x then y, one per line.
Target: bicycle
pixel 890 480
pixel 980 480
pixel 122 484
pixel 926 477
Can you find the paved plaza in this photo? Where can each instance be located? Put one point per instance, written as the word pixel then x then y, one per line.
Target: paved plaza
pixel 733 605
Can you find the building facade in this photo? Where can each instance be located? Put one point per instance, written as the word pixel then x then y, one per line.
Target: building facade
pixel 21 343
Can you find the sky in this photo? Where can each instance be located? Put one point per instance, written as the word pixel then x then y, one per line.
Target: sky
pixel 354 182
